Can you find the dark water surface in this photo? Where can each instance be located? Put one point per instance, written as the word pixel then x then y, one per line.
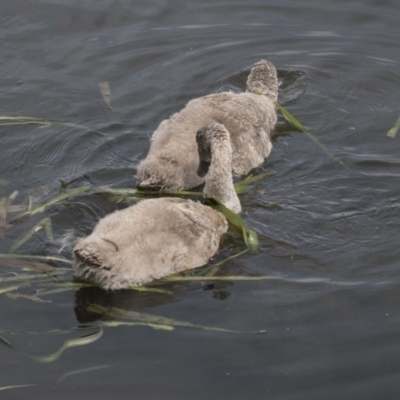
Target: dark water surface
pixel 330 235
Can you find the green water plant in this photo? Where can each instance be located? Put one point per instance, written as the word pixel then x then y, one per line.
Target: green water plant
pixel 36 257
pixel 243 186
pixel 105 90
pixel 7 120
pixel 249 236
pixel 393 131
pixel 300 127
pixel 17 386
pixel 151 320
pixel 44 223
pixel 76 342
pixel 113 317
pixel 236 278
pixel 59 380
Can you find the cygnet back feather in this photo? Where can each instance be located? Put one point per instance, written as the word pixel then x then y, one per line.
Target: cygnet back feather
pixel 150 240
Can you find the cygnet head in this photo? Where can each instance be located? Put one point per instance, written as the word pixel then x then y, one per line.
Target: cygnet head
pixel 263 80
pixel 215 154
pixel 160 172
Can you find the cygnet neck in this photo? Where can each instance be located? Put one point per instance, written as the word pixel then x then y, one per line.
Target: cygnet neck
pixel 214 139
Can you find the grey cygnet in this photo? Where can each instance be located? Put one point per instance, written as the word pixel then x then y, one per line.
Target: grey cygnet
pixel 248 118
pixel 150 240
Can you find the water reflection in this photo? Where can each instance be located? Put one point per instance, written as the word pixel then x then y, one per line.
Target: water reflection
pixel 127 300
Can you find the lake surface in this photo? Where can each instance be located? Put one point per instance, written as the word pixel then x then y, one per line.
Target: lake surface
pixel 329 235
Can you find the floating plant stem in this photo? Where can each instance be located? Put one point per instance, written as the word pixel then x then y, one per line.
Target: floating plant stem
pixel 183 193
pixel 240 187
pixel 47 258
pixel 48 229
pixel 142 192
pixel 250 237
pixel 37 279
pixel 32 265
pixel 153 321
pixel 151 289
pixel 17 386
pixel 12 197
pixel 393 131
pixel 106 93
pixel 237 278
pixel 82 341
pixel 67 285
pixel 62 196
pixel 25 280
pixel 115 324
pixel 243 185
pixel 62 378
pixel 45 123
pixel 15 209
pixel 3 210
pixel 44 223
pixel 88 208
pixel 143 318
pixel 21 277
pixel 45 292
pixel 215 268
pixel 297 125
pixel 75 329
pixel 12 288
pixel 80 371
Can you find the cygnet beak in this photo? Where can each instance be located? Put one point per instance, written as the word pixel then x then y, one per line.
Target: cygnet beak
pixel 203 168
